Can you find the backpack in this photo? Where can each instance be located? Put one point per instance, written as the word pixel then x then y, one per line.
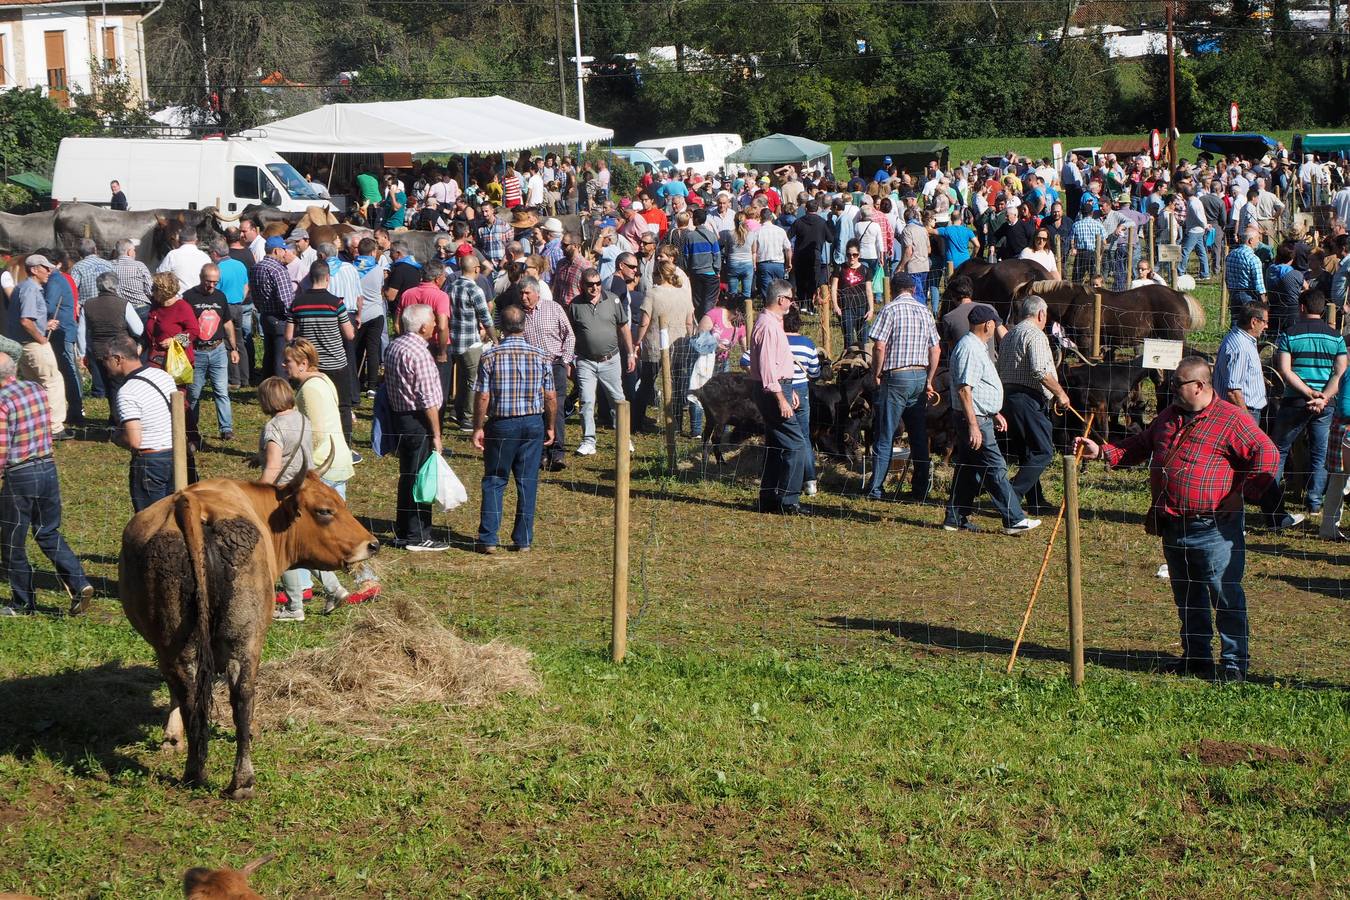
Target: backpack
pixel 383 437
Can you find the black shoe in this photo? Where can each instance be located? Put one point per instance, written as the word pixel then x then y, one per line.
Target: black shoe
pixel 1041 509
pixel 226 437
pixel 62 435
pixel 485 549
pixel 963 525
pixel 1231 675
pixel 79 603
pixel 1199 668
pixel 555 465
pixel 427 546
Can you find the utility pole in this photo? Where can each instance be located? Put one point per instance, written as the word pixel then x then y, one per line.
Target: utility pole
pixel 1171 89
pixel 581 90
pixel 562 60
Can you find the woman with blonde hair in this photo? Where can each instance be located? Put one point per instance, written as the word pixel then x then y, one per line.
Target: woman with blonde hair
pixel 669 304
pixel 171 320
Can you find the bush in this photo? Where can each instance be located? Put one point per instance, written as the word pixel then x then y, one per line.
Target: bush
pixel 14 198
pixel 623 175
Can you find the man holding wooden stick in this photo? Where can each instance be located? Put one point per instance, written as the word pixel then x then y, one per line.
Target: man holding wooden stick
pixel 1028 371
pixel 1206 455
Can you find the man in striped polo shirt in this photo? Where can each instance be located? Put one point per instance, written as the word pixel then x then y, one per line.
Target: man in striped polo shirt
pixel 146 427
pixel 1311 358
pixel 320 318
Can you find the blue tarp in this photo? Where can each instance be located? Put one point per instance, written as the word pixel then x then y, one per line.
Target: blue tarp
pixel 1243 143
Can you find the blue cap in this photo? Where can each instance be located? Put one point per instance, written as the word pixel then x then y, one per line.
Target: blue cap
pixel 887 160
pixel 275 243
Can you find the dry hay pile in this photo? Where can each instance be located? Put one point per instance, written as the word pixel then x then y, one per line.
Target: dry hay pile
pixel 393 653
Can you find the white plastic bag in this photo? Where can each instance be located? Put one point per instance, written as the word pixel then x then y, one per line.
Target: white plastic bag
pixel 450 491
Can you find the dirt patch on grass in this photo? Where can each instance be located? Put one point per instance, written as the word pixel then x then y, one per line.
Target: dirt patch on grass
pixel 1222 754
pixel 393 654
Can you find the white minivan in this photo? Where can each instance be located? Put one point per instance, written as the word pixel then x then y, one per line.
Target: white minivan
pixel 704 153
pixel 229 174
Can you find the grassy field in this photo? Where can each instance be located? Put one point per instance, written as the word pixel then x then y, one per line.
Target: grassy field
pixel 813 706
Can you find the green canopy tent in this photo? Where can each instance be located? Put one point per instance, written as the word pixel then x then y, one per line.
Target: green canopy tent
pixel 780 149
pixel 1325 144
pixel 34 183
pixel 912 156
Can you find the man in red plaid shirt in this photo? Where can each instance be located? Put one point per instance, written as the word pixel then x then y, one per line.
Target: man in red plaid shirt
pixel 1206 455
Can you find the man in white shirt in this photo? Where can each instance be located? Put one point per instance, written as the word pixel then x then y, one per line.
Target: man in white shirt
pixel 253 239
pixel 303 251
pixel 146 427
pixel 186 260
pixel 773 252
pixel 534 189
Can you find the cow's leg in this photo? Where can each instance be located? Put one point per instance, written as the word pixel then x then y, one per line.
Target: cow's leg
pixel 182 693
pixel 241 673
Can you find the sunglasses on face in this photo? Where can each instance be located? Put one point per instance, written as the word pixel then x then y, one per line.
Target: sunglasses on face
pixel 590 284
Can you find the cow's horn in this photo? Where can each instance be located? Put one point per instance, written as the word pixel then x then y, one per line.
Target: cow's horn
pixel 328 463
pixel 257 864
pixel 1075 351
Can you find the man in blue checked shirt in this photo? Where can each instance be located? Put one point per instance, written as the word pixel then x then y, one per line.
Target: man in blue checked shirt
pixel 1243 272
pixel 1087 231
pixel 1237 369
pixel 514 409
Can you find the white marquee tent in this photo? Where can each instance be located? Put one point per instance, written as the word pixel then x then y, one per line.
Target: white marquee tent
pixel 459 125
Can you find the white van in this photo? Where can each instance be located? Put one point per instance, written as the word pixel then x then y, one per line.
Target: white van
pixel 704 153
pixel 180 174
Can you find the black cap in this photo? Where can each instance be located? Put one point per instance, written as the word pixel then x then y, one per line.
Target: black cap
pixel 981 314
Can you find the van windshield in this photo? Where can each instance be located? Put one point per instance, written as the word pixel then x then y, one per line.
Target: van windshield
pixel 291 180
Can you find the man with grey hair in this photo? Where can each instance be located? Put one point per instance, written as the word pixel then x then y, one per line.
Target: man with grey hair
pixel 600 324
pixel 547 327
pixel 30 497
pixel 413 386
pixel 108 316
pixel 1027 369
pixel 133 278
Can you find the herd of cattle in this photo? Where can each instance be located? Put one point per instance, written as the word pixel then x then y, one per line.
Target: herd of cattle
pixel 841 410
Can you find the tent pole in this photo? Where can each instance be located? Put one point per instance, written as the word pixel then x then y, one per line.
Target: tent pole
pixel 581 91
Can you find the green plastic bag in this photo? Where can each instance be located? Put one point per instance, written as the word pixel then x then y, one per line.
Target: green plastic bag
pixel 424 488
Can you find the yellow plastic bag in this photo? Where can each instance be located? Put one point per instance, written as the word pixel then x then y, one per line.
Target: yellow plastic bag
pixel 177 365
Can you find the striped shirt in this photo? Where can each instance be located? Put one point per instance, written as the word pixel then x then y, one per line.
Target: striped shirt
pixel 410 375
pixel 1242 270
pixel 511 191
pixel 1024 357
pixel 25 425
pixel 144 398
pixel 514 374
pixel 492 239
pixel 547 328
pixel 1313 347
pixel 468 313
pixel 318 317
pixel 906 326
pixel 133 280
pixel 805 360
pixel 971 366
pixel 1086 232
pixel 271 287
pixel 1238 367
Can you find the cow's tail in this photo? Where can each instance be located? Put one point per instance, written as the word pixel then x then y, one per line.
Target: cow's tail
pixel 1197 313
pixel 188 513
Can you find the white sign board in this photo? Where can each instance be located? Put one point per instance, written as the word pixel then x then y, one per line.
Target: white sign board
pixel 665 339
pixel 1162 354
pixel 1057 152
pixel 1169 253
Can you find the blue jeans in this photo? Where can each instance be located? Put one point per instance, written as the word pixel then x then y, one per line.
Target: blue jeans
pixel 1194 242
pixel 1206 556
pixel 1290 421
pixel 785 450
pixel 512 446
pixel 982 469
pixel 766 272
pixel 854 323
pixel 151 478
pixel 740 278
pixel 213 364
pixel 899 392
pixel 31 498
pixel 1030 441
pixel 68 361
pixel 803 392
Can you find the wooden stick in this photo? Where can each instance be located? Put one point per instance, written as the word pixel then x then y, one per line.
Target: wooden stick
pixel 1074 573
pixel 1045 560
pixel 618 644
pixel 668 393
pixel 178 415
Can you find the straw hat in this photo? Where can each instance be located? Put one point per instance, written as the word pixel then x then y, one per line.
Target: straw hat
pixel 523 218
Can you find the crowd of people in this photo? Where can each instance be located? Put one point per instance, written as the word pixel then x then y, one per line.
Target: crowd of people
pixel 513 322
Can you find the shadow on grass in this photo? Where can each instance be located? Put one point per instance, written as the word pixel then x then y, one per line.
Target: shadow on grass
pixel 77 715
pixel 961 640
pixel 816 508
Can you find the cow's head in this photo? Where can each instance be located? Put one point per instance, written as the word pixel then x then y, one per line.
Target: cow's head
pixel 316 528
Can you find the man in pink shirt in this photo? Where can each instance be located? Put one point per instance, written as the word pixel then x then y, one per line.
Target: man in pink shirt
pixel 785 441
pixel 431 292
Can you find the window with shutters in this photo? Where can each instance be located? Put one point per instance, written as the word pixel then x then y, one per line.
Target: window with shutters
pixel 110 44
pixel 55 46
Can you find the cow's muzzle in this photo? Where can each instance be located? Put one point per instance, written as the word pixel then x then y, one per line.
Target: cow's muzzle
pixel 365 552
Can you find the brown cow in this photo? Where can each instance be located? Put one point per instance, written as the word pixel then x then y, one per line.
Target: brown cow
pixel 999 284
pixel 222 884
pixel 1148 311
pixel 197 575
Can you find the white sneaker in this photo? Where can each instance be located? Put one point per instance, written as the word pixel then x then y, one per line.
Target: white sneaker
pixel 1289 521
pixel 587 448
pixel 810 490
pixel 1162 571
pixel 632 448
pixel 287 614
pixel 1023 526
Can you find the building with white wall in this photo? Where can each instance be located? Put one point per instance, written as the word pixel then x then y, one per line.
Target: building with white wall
pixel 56 44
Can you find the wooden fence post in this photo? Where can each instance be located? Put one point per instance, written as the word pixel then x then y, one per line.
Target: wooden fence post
pixel 618 643
pixel 825 338
pixel 1152 244
pixel 178 414
pixel 667 395
pixel 749 320
pixel 1075 570
pixel 1059 255
pixel 1097 267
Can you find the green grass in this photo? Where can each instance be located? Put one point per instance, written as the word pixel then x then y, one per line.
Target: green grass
pixel 811 707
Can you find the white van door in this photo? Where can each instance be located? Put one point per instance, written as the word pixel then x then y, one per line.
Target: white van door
pixel 250 185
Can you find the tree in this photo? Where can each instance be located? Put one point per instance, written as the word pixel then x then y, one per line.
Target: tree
pixel 31 129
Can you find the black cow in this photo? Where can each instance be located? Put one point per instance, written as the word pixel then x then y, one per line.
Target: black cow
pixel 1109 389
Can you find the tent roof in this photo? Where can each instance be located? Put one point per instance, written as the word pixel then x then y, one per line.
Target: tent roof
pixel 893 148
pixel 1245 143
pixel 456 125
pixel 780 148
pixel 1311 143
pixel 1118 146
pixel 33 182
